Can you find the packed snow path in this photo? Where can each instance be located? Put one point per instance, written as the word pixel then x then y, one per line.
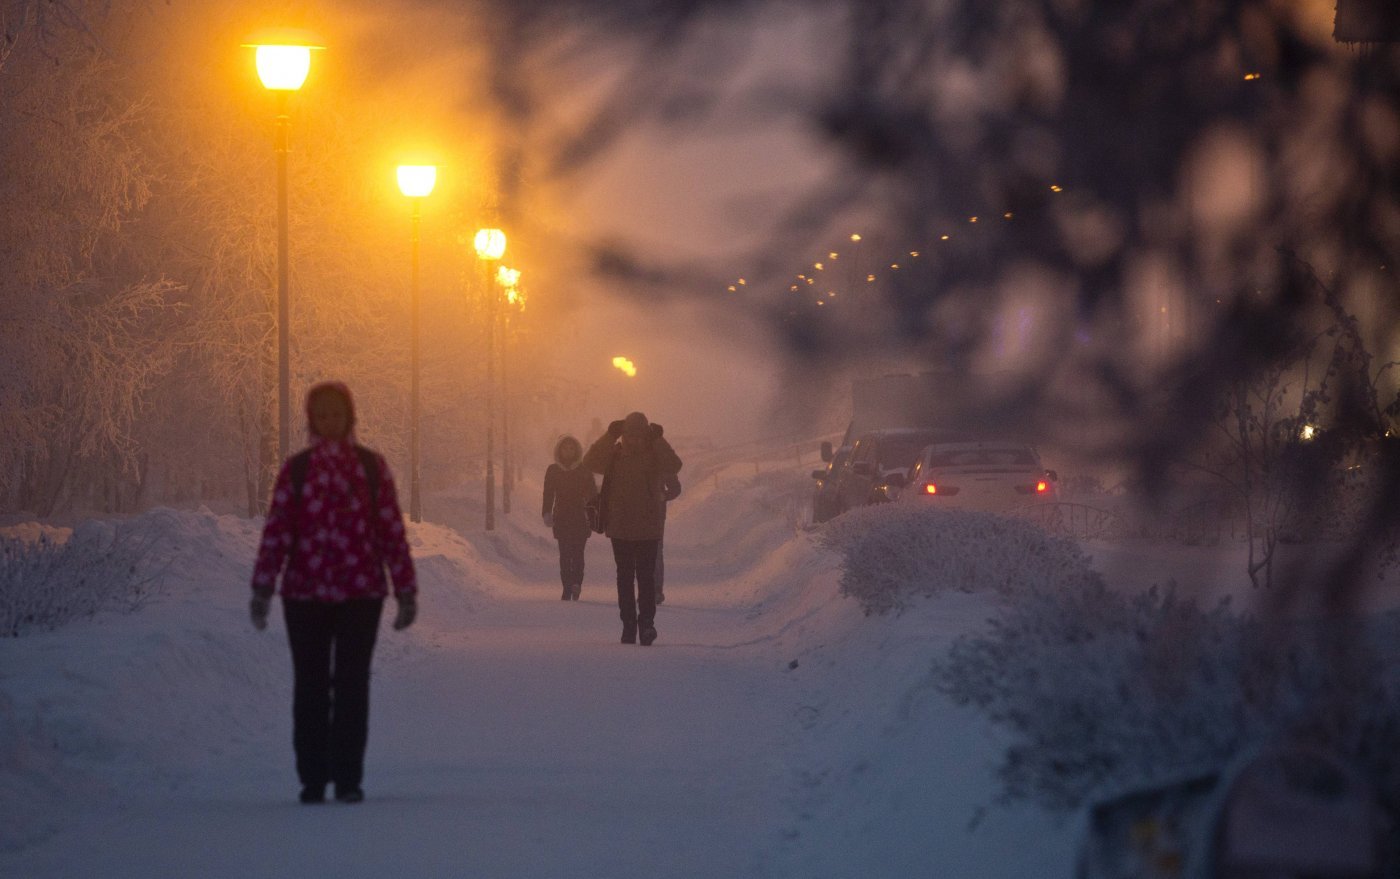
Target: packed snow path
pixel 511 734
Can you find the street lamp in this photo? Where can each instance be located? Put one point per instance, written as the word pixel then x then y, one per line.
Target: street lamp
pixel 283 64
pixel 416 182
pixel 509 279
pixel 490 246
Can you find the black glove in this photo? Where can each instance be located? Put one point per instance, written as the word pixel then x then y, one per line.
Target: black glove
pixel 257 611
pixel 615 429
pixel 408 612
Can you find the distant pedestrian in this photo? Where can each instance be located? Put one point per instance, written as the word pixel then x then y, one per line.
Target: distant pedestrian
pixel 670 490
pixel 635 463
pixel 333 527
pixel 568 488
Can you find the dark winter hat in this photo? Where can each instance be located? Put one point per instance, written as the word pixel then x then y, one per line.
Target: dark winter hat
pixel 635 424
pixel 332 388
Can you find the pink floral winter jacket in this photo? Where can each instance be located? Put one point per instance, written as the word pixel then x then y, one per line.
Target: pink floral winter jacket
pixel 342 546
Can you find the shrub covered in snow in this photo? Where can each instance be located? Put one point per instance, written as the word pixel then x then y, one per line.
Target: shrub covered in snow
pixel 44 583
pixel 1105 692
pixel 894 552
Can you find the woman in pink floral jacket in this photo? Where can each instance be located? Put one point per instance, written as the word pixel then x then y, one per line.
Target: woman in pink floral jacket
pixel 333 528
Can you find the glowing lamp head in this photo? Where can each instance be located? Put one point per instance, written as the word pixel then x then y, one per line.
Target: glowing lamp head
pixel 283 68
pixel 490 243
pixel 417 181
pixel 625 366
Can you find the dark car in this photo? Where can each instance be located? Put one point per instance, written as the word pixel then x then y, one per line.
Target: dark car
pixel 824 501
pixel 875 457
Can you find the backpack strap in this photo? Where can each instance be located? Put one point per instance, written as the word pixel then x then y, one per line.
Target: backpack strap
pixel 299 464
pixel 370 462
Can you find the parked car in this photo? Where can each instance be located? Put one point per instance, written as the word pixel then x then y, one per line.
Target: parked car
pixel 875 457
pixel 992 476
pixel 824 504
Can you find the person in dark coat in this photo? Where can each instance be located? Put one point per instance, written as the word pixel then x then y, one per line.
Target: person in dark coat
pixel 333 528
pixel 635 462
pixel 567 490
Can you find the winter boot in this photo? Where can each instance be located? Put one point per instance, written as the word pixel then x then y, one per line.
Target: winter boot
pixel 629 633
pixel 568 593
pixel 647 632
pixel 578 588
pixel 660 596
pixel 349 795
pixel 312 794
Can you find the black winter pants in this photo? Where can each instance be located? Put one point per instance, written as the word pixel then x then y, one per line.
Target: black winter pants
pixel 571 561
pixel 332 644
pixel 636 563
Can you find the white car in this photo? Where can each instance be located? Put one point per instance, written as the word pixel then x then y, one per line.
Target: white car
pixel 989 476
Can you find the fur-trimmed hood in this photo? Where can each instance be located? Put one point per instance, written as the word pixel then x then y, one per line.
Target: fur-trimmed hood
pixel 558 458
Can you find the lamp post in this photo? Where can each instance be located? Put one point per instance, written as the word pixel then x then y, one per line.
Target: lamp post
pixel 490 246
pixel 509 279
pixel 416 182
pixel 282 67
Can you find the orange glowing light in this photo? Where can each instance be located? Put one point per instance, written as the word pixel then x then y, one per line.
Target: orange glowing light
pixel 627 367
pixel 1055 187
pixel 831 256
pixel 507 278
pixel 944 237
pixel 417 181
pixel 870 279
pixel 855 236
pixel 490 243
pixel 282 66
pixel 972 219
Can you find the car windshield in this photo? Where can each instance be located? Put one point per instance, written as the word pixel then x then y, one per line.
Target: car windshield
pixel 1001 456
pixel 901 453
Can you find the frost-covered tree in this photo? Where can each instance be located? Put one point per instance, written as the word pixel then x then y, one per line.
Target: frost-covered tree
pixel 83 331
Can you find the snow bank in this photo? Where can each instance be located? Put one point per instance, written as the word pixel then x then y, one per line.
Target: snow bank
pixel 1103 692
pixel 111 700
pixel 893 552
pixel 46 583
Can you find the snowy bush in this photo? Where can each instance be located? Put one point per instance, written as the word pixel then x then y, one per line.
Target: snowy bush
pixel 1104 692
pixel 893 552
pixel 44 584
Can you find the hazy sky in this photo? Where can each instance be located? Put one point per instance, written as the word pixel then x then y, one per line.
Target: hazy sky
pixel 705 194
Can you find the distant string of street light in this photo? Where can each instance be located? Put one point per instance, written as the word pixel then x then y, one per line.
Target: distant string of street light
pixel 803 280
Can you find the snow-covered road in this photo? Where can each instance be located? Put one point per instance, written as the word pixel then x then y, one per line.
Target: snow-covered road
pixel 772 731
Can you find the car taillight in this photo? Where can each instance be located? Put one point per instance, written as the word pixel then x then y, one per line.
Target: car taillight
pixel 935 488
pixel 1042 487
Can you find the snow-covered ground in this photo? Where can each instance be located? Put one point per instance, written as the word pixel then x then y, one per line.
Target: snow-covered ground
pixel 773 730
